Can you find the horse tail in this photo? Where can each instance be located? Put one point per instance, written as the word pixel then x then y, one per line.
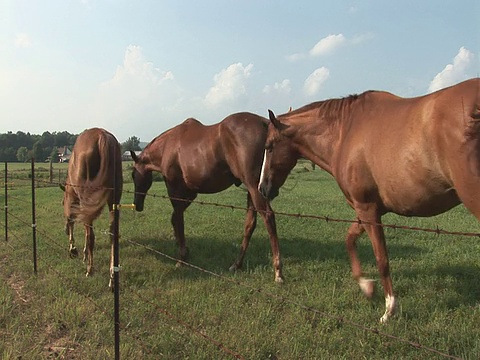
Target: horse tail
pixel 99 188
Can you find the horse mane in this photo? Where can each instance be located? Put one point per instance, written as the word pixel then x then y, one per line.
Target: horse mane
pixel 330 109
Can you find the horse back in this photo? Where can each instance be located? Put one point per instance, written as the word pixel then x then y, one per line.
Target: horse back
pixel 210 158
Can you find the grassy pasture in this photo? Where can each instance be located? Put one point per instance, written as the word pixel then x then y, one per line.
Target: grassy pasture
pixel 59 313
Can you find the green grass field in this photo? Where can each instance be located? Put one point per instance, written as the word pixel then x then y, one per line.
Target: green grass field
pixel 184 313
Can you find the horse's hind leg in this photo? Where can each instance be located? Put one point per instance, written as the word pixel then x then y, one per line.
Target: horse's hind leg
pixel 88 250
pixel 263 206
pixel 250 224
pixel 179 208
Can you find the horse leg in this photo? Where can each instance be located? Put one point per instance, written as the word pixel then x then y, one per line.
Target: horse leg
pixel 250 224
pixel 179 208
pixel 263 206
pixel 88 250
pixel 371 221
pixel 72 250
pixel 366 285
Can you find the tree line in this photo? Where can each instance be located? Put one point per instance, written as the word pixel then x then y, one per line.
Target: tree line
pixel 21 147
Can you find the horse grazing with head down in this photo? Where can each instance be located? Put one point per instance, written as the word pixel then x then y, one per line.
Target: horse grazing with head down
pixel 194 158
pixel 410 156
pixel 94 170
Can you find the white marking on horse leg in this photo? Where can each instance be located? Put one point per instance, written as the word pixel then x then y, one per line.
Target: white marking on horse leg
pixel 262 173
pixel 278 277
pixel 390 307
pixel 110 283
pixel 367 286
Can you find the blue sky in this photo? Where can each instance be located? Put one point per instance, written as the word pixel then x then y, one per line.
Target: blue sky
pixel 138 68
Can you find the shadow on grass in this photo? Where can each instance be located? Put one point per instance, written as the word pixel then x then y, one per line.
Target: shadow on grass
pixel 217 254
pixel 460 280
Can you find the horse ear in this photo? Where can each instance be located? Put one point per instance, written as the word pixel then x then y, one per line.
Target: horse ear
pixel 62 187
pixel 277 124
pixel 134 156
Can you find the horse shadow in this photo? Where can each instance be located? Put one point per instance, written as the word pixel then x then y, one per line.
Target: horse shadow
pixel 216 254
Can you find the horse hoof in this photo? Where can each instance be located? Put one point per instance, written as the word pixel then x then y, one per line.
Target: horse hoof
pixel 367 286
pixel 279 279
pixel 233 268
pixel 73 252
pixel 179 264
pixel 390 308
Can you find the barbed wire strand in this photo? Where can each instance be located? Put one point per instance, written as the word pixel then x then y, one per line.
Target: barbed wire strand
pixel 437 230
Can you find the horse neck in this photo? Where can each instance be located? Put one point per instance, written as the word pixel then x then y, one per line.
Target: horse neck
pixel 318 130
pixel 152 155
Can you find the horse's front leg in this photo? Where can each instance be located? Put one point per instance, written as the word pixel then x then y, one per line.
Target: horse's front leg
pixel 72 250
pixel 268 216
pixel 89 246
pixel 372 224
pixel 366 285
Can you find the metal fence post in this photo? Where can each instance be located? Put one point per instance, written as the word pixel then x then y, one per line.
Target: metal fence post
pixel 116 268
pixel 6 202
pixel 34 224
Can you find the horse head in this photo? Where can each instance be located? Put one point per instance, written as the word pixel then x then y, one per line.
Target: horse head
pixel 279 158
pixel 142 179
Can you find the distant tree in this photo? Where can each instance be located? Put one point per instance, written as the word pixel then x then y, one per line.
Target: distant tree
pixel 22 154
pixel 47 139
pixel 38 151
pixel 8 154
pixel 54 155
pixel 132 143
pixel 39 146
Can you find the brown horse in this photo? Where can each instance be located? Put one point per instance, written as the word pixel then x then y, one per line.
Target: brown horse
pixel 94 169
pixel 413 157
pixel 194 158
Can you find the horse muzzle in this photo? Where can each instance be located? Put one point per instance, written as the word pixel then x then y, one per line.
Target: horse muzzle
pixel 267 191
pixel 139 206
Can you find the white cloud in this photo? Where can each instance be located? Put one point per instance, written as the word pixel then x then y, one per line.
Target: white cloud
pixel 361 38
pixel 282 88
pixel 315 81
pixel 327 45
pixel 138 93
pixel 230 84
pixel 330 44
pixel 453 73
pixel 295 57
pixel 22 40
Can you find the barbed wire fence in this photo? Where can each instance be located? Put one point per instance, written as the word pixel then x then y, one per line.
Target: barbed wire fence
pixel 10 214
